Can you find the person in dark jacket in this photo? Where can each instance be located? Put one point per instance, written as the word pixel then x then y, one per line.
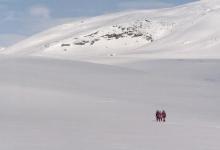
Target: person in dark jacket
pixel 158 116
pixel 164 115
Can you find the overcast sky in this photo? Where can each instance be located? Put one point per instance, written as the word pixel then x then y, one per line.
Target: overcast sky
pixel 22 18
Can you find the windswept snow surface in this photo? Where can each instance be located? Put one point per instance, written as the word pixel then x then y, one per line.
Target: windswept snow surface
pixel 103 92
pixel 187 31
pixel 51 104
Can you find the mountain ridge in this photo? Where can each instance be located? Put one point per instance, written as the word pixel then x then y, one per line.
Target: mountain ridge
pixel 186 31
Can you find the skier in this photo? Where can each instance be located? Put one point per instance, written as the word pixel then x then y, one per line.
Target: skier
pixel 164 115
pixel 158 116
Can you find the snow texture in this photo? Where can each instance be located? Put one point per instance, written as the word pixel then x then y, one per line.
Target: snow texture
pixel 95 84
pixel 53 104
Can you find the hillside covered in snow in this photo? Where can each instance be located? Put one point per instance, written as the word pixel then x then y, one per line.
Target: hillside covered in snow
pixel 187 31
pixel 95 84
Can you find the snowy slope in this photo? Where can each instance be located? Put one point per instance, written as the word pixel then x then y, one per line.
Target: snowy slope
pixel 124 31
pixel 187 31
pixel 71 103
pixel 52 104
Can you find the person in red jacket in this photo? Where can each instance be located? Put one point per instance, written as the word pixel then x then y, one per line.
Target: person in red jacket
pixel 158 116
pixel 164 115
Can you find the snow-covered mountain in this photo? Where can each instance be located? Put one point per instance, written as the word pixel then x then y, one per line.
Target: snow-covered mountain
pixel 54 104
pixel 187 31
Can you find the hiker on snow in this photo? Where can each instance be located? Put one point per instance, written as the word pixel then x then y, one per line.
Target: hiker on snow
pixel 158 116
pixel 164 115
